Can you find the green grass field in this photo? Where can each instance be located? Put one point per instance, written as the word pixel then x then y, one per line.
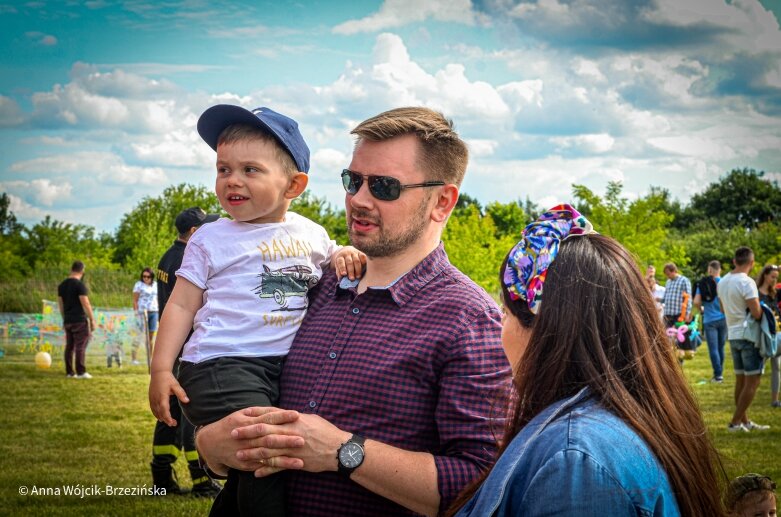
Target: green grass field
pixel 57 432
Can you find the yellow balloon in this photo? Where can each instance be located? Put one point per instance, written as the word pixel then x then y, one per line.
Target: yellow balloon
pixel 43 360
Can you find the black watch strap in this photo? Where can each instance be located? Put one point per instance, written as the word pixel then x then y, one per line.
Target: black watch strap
pixel 357 440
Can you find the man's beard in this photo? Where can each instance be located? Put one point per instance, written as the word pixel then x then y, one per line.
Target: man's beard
pixel 384 245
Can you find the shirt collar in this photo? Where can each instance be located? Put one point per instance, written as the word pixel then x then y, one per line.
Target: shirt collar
pixel 404 288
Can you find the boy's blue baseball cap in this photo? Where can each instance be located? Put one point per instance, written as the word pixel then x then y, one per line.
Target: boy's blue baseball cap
pixel 215 119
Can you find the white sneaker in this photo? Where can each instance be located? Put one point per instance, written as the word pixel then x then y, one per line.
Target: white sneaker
pixel 135 362
pixel 751 426
pixel 71 376
pixel 737 428
pixel 84 375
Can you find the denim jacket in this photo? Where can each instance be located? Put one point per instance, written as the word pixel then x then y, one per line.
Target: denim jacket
pixel 575 458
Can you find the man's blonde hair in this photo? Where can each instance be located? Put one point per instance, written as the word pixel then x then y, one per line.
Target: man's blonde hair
pixel 443 155
pixel 243 132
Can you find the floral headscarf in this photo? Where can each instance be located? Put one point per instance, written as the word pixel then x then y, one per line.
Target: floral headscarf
pixel 528 262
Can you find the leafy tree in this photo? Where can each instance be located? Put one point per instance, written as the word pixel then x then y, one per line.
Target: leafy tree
pixel 148 230
pixel 53 243
pixel 15 256
pixel 8 223
pixel 531 209
pixel 683 216
pixel 472 246
pixel 465 201
pixel 642 225
pixel 742 198
pixel 510 218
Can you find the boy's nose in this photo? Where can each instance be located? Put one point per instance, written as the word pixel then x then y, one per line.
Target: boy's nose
pixel 235 180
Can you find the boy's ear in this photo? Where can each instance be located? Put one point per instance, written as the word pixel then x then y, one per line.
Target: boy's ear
pixel 297 185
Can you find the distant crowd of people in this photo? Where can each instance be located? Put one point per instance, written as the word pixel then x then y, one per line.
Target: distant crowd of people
pixel 736 307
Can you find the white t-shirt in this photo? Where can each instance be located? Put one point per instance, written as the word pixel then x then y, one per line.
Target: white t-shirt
pixel 733 290
pixel 658 292
pixel 255 279
pixel 147 296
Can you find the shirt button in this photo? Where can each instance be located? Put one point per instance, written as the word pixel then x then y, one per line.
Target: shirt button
pixel 356 310
pixel 312 403
pixel 332 355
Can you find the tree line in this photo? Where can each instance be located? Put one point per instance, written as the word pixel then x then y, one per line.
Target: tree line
pixel 741 208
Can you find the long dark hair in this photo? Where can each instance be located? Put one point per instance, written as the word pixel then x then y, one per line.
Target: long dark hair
pixel 771 289
pixel 598 327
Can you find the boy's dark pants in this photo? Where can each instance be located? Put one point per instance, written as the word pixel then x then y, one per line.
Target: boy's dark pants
pixel 217 388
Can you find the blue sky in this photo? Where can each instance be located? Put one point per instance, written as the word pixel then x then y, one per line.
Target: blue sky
pixel 99 99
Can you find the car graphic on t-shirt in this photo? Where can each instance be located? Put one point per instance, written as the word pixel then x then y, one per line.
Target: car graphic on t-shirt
pixel 285 282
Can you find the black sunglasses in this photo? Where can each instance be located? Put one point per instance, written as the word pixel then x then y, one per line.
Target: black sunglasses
pixel 384 188
pixel 146 276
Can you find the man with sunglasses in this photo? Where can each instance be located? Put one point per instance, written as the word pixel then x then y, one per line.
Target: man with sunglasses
pixel 390 376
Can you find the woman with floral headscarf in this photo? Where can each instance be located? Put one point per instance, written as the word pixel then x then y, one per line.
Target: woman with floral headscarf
pixel 602 422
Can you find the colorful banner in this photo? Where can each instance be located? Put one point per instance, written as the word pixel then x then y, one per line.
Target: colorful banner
pixel 116 331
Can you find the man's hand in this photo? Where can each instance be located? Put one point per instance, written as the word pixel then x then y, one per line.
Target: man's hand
pixel 218 443
pixel 269 444
pixel 161 387
pixel 349 262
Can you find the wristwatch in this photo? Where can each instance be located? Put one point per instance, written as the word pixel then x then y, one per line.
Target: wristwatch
pixel 350 455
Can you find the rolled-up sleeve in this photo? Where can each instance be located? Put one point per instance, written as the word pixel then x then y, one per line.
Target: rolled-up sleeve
pixel 471 409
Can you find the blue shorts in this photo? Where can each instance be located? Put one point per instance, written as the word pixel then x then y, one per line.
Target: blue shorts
pixel 745 357
pixel 152 317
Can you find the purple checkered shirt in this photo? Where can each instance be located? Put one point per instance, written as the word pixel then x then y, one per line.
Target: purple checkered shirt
pixel 418 365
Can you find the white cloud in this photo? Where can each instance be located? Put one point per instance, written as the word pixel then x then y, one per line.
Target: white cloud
pixel 73 106
pixel 10 112
pixel 597 144
pixel 695 146
pixel 23 210
pixel 47 40
pixel 561 15
pixel 101 167
pixel 53 141
pixel 396 13
pixel 519 94
pixel 179 148
pixel 325 159
pixel 748 25
pixel 42 191
pixel 481 147
pixel 589 69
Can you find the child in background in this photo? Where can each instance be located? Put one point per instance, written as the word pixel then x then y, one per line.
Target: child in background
pixel 751 495
pixel 243 286
pixel 113 350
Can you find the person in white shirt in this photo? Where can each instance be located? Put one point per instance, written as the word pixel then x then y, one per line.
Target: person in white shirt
pixel 738 295
pixel 145 305
pixel 243 285
pixel 657 291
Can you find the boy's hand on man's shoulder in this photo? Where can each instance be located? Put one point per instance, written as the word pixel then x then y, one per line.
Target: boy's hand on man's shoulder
pixel 349 262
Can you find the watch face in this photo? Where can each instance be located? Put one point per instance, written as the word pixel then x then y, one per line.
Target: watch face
pixel 351 455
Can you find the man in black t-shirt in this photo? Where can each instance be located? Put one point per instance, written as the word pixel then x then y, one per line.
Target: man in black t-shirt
pixel 168 441
pixel 77 319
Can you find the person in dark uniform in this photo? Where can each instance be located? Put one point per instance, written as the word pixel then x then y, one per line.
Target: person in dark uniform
pixel 168 441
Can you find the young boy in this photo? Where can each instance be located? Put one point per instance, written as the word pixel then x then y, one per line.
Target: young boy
pixel 243 284
pixel 751 495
